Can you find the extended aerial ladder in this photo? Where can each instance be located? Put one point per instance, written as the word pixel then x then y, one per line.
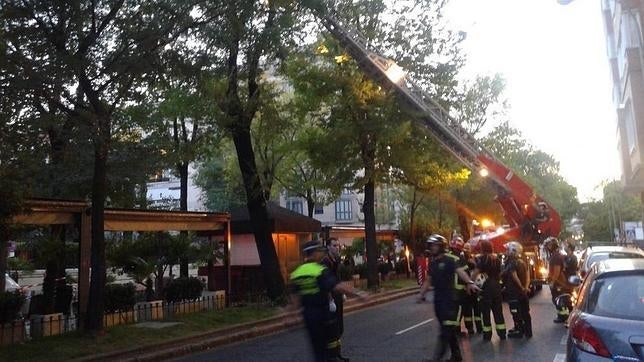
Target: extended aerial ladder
pixel 530 218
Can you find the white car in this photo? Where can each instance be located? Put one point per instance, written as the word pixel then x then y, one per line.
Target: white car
pixel 594 254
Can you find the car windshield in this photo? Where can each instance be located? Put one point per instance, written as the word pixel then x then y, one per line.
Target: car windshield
pixel 596 257
pixel 620 296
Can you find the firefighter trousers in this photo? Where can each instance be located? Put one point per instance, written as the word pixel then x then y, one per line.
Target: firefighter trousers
pixel 492 301
pixel 520 309
pixel 562 310
pixel 471 314
pixel 448 313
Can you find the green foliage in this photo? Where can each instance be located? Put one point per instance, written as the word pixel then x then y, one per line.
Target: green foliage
pixel 537 168
pixel 183 289
pixel 602 216
pixel 119 297
pixel 10 304
pixel 219 177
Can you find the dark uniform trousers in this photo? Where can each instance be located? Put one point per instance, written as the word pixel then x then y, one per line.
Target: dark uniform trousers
pixel 492 301
pixel 562 310
pixel 448 313
pixel 520 309
pixel 471 313
pixel 317 323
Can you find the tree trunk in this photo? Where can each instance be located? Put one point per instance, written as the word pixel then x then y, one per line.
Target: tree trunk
pixel 94 322
pixel 463 223
pixel 4 239
pixel 182 167
pixel 310 203
pixel 258 212
pixel 370 234
pixel 412 225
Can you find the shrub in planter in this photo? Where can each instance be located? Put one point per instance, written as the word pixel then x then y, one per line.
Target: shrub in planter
pixel 10 303
pixel 183 289
pixel 119 297
pixel 345 271
pixel 361 269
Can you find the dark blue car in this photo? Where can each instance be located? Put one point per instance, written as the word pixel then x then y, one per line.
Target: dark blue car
pixel 607 323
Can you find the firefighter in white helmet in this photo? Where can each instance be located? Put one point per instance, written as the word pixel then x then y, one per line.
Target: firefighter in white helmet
pixel 517 285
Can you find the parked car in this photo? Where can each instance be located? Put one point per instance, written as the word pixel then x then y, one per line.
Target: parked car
pixel 594 254
pixel 607 321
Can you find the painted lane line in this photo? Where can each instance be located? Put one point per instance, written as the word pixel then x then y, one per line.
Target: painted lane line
pixel 559 357
pixel 564 339
pixel 414 326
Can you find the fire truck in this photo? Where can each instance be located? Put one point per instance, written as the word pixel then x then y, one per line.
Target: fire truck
pixel 529 218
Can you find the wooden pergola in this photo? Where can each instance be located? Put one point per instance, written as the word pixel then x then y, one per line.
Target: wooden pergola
pixel 52 212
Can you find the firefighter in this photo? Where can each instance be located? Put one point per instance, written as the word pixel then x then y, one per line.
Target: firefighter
pixel 332 262
pixel 310 287
pixel 517 285
pixel 557 278
pixel 444 273
pixel 471 311
pixel 456 250
pixel 490 299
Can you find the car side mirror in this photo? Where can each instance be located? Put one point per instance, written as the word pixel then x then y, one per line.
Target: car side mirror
pixel 574 280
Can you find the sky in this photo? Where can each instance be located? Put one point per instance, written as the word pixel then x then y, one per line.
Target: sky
pixel 558 85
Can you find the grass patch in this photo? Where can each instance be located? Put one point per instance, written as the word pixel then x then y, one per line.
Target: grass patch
pixel 75 345
pixel 398 284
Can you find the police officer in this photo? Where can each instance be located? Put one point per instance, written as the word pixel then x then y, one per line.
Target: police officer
pixel 557 278
pixel 444 273
pixel 310 287
pixel 490 299
pixel 332 262
pixel 471 311
pixel 517 285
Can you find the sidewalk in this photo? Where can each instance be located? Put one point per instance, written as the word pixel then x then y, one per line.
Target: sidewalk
pixel 234 334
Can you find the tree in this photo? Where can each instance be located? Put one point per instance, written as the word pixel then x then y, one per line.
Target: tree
pixel 537 168
pixel 248 33
pixel 103 50
pixel 360 120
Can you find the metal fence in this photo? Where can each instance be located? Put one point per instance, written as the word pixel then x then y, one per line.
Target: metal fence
pixel 39 326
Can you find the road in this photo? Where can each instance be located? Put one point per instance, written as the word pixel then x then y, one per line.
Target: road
pixel 405 331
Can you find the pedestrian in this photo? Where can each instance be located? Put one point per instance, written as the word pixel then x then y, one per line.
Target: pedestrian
pixel 332 262
pixel 490 299
pixel 471 311
pixel 443 275
pixel 310 286
pixel 557 278
pixel 517 285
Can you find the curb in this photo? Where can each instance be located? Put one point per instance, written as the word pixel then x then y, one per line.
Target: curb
pixel 235 334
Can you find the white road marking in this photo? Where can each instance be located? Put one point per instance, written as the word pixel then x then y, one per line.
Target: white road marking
pixel 559 357
pixel 414 326
pixel 564 339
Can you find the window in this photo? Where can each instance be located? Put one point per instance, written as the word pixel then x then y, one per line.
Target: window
pixel 295 205
pixel 319 209
pixel 618 296
pixel 343 210
pixel 630 127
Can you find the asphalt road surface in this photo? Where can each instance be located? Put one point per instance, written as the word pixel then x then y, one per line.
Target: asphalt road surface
pixel 405 331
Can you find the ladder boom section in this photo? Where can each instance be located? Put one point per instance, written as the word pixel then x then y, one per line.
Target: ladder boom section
pixel 523 209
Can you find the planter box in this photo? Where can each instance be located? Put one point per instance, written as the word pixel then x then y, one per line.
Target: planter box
pixel 45 325
pixel 190 306
pixel 118 318
pixel 149 311
pixel 12 332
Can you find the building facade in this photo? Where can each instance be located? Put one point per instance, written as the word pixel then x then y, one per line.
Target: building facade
pixel 164 191
pixel 623 29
